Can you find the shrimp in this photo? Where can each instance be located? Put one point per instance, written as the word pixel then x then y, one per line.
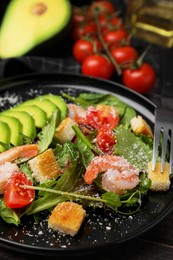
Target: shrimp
pixel 118 174
pixel 23 151
pixel 77 113
pixel 6 170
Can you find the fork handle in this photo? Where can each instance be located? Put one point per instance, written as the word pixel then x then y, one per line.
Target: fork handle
pixel 167 78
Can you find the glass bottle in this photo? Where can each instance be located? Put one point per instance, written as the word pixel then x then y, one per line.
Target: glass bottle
pixel 151 20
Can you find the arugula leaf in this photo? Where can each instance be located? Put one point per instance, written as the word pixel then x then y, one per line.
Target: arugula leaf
pixel 8 214
pixel 132 148
pixel 66 152
pixel 69 181
pixel 127 116
pixel 111 199
pixel 84 146
pixel 47 134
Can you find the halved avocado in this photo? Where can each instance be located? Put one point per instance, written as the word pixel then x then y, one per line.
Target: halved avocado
pixel 37 113
pixel 46 105
pixel 58 101
pixel 15 127
pixel 28 124
pixel 29 23
pixel 5 135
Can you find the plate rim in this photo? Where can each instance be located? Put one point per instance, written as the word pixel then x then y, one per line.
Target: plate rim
pixel 36 249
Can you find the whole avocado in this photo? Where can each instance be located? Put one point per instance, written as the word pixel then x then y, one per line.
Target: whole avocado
pixel 33 27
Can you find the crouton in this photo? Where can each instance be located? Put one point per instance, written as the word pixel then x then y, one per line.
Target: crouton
pixel 160 180
pixel 44 166
pixel 64 131
pixel 140 126
pixel 67 218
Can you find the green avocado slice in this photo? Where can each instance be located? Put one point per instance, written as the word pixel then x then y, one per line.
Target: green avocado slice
pixel 36 112
pixel 46 105
pixel 28 124
pixel 5 135
pixel 15 127
pixel 58 101
pixel 29 23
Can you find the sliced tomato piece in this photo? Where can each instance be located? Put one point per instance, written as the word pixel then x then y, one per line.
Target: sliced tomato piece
pixel 14 195
pixel 105 139
pixel 102 115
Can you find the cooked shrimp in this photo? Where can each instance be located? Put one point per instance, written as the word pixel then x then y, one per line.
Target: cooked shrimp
pixel 6 170
pixel 23 151
pixel 119 175
pixel 77 113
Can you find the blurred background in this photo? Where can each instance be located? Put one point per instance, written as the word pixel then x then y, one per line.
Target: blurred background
pixel 148 22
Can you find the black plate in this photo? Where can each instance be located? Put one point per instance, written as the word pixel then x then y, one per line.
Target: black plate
pixel 99 229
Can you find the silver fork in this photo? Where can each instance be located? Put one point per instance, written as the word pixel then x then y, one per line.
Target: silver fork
pixel 163 132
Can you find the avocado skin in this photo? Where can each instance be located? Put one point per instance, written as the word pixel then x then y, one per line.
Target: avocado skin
pixel 59 45
pixel 5 135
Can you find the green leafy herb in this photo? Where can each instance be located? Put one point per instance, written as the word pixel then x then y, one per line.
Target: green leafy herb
pixel 8 215
pixel 132 148
pixel 47 134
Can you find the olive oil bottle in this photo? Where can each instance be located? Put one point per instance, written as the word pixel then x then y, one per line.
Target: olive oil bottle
pixel 151 20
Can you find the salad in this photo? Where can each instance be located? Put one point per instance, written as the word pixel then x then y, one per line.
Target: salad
pixel 92 150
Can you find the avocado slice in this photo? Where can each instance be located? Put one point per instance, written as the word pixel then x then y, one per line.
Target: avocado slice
pixel 28 124
pixel 34 22
pixel 46 105
pixel 15 127
pixel 36 112
pixel 58 101
pixel 5 135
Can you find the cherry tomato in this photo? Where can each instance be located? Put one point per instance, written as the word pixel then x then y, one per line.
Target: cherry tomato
pixel 80 15
pixel 102 115
pixel 125 55
pixel 102 7
pixel 105 139
pixel 14 196
pixel 83 30
pixel 85 47
pixel 97 66
pixel 141 79
pixel 114 38
pixel 108 22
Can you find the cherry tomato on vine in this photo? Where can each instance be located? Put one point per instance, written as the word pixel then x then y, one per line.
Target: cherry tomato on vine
pixel 125 55
pixel 102 7
pixel 108 22
pixel 141 79
pixel 114 38
pixel 97 65
pixel 14 196
pixel 85 47
pixel 83 30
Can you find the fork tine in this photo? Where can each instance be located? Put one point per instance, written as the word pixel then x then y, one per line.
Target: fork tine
pixel 155 146
pixel 164 146
pixel 171 152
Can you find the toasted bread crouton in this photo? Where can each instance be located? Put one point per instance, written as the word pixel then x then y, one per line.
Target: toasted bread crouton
pixel 140 126
pixel 67 218
pixel 160 180
pixel 44 166
pixel 64 131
